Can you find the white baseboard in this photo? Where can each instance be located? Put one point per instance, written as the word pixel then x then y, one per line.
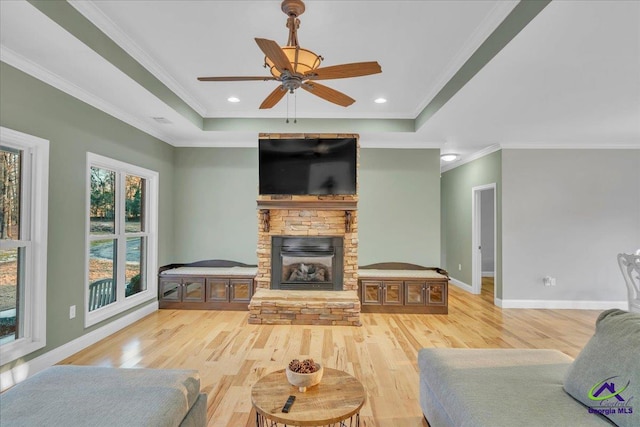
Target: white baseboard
pixel 461 285
pixel 488 274
pixel 561 304
pixel 21 372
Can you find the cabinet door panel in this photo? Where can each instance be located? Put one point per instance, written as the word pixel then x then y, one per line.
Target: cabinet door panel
pixel 414 294
pixel 437 294
pixel 392 293
pixel 193 290
pixel 371 292
pixel 218 290
pixel 240 290
pixel 170 290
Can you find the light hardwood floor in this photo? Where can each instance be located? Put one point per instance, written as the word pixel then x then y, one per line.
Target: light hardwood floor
pixel 232 355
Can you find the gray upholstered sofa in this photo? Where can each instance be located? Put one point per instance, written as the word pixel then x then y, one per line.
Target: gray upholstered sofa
pixel 95 396
pixel 514 387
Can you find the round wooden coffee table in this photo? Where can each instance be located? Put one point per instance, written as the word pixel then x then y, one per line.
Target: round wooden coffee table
pixel 337 399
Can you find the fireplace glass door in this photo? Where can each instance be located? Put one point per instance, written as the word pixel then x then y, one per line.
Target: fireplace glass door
pixel 307 263
pixel 306 269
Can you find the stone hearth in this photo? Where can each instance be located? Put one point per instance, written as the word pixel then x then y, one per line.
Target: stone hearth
pixel 305 308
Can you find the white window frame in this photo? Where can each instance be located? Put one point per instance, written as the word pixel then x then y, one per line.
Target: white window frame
pixel 34 219
pixel 121 303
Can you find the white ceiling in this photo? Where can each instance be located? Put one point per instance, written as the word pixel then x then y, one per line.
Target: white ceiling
pixel 570 78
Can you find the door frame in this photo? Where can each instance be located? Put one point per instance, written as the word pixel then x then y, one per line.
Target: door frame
pixel 476 257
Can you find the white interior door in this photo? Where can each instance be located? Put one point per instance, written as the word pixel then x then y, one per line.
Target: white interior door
pixel 477 231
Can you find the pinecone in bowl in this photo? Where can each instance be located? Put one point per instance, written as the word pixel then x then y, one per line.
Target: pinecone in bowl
pixel 303 374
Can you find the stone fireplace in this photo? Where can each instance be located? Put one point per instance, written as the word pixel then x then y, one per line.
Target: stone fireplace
pixel 306 263
pixel 307 260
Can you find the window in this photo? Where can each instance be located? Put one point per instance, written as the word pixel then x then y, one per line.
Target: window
pixel 24 175
pixel 121 237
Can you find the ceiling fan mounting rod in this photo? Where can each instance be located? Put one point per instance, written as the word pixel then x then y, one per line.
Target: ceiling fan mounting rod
pixel 293 24
pixel 293 9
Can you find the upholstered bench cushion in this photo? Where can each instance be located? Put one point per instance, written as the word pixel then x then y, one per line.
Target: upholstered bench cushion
pixel 83 395
pixel 405 274
pixel 211 271
pixel 498 387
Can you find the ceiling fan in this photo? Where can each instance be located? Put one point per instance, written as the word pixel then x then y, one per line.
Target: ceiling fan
pixel 295 67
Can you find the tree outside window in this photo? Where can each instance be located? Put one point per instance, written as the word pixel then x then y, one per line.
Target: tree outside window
pixel 119 235
pixel 11 259
pixel 24 174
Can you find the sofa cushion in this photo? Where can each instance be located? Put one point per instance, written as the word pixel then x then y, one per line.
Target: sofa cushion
pixel 499 387
pixel 606 374
pixel 84 395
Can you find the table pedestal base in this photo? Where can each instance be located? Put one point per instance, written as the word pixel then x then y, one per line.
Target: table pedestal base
pixel 262 421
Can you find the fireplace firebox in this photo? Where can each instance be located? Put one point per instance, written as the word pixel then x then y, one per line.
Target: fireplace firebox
pixel 307 263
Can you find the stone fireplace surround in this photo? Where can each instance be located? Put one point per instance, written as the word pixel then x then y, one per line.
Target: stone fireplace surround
pixel 310 216
pixel 307 216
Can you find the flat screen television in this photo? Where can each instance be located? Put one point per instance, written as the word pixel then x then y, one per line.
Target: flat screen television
pixel 307 166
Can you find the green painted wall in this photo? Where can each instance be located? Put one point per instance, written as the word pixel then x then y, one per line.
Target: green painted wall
pixel 399 206
pixel 74 128
pixel 215 204
pixel 216 191
pixel 456 215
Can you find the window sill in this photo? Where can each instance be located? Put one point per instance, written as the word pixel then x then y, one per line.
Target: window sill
pixel 107 312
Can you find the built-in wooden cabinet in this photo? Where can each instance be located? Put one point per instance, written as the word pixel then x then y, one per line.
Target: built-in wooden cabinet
pixel 182 289
pixel 205 291
pixel 403 294
pixel 377 292
pixel 432 293
pixel 228 290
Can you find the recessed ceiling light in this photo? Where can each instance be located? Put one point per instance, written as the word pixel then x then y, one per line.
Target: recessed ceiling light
pixel 233 99
pixel 449 157
pixel 380 100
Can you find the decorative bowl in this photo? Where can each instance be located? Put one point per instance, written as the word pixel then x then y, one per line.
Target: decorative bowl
pixel 302 381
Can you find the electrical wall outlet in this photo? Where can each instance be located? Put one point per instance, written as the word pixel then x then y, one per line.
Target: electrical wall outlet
pixel 72 312
pixel 459 267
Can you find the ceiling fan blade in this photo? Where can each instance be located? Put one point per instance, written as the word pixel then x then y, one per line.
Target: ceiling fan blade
pixel 273 98
pixel 328 94
pixel 343 71
pixel 275 54
pixel 234 79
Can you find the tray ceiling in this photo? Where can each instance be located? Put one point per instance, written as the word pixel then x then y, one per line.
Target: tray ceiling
pixel 569 78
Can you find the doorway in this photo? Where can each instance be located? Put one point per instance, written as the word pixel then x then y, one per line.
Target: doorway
pixel 483 237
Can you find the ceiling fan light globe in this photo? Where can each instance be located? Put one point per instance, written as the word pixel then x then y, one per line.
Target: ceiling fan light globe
pixel 306 61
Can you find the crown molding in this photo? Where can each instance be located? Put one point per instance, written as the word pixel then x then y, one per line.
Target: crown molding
pixel 90 11
pixel 569 146
pixel 218 143
pixel 29 67
pixel 423 145
pixel 475 156
pixel 540 146
pixel 497 14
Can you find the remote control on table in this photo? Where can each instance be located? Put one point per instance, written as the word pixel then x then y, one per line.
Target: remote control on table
pixel 287 405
